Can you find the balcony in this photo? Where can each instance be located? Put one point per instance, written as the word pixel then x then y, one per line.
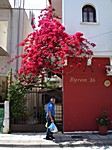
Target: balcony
pixel 3 52
pixel 4 4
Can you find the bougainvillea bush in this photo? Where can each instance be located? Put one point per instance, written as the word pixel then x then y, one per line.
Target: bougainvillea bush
pixel 47 48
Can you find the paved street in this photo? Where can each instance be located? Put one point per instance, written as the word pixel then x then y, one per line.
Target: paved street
pixel 37 140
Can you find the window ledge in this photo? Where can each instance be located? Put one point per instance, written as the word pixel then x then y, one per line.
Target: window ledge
pixel 89 23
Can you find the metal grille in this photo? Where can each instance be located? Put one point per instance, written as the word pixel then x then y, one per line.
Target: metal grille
pixel 36 107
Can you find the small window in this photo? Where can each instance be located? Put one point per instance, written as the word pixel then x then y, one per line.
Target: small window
pixel 88 14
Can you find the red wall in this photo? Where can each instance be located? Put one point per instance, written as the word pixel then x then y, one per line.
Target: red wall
pixel 85 95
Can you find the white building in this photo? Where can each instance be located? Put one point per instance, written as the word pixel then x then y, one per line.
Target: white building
pixel 91 17
pixel 94 19
pixel 14 27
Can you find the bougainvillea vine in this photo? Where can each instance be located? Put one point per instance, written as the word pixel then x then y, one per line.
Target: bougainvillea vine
pixel 47 48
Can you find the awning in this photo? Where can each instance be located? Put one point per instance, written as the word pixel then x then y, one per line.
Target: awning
pixel 3 52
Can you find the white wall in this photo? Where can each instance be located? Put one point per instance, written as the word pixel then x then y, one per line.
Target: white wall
pixel 5 16
pixel 21 27
pixel 3 34
pixel 99 32
pixel 26 28
pixel 16 33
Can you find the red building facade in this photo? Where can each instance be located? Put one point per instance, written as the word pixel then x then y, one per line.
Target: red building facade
pixel 87 91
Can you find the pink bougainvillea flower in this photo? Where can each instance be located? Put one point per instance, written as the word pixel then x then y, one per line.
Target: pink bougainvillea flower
pixel 93 44
pixel 99 65
pixel 79 65
pixel 33 18
pixel 33 26
pixel 108 68
pixel 21 70
pixel 71 66
pixel 79 34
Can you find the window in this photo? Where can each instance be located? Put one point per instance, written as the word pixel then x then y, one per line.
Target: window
pixel 88 14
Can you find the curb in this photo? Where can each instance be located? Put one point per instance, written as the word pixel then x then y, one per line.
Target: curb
pixel 100 144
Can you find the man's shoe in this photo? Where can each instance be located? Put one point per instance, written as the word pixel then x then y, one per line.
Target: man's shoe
pixel 52 137
pixel 49 138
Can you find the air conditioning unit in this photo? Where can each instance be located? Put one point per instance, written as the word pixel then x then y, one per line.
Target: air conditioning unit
pixel 109 70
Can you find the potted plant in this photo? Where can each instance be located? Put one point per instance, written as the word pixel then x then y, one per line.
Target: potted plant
pixel 103 123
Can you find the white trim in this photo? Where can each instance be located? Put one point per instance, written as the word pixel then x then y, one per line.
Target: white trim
pixel 111 61
pixel 66 63
pixel 102 53
pixel 91 4
pixel 89 23
pixel 101 56
pixel 63 14
pixel 89 60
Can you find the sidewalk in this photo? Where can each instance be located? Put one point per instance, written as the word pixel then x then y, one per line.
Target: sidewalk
pixel 61 140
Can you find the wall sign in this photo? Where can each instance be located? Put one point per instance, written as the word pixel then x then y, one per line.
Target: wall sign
pixel 107 83
pixel 82 81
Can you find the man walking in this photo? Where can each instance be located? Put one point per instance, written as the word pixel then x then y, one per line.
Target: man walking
pixel 50 112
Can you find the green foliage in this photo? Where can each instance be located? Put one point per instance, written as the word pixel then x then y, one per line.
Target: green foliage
pixel 48 85
pixel 16 96
pixel 41 115
pixel 104 120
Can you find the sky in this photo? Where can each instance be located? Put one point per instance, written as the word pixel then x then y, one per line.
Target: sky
pixel 31 4
pixel 35 4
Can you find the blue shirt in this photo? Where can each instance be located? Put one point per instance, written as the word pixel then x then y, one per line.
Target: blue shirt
pixel 50 107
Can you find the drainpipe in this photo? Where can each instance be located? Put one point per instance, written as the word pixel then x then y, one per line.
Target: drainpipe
pixel 50 2
pixel 18 36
